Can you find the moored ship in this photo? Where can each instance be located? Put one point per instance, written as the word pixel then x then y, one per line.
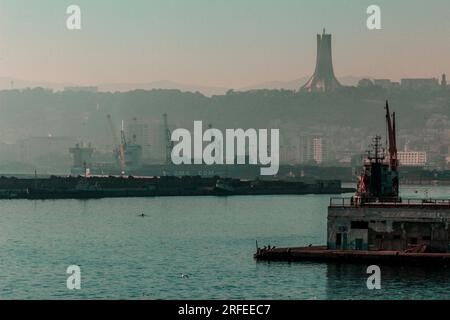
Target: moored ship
pixel 376 224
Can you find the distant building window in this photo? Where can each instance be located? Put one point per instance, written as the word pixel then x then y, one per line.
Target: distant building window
pixel 412 158
pixel 426 238
pixel 359 225
pixel 338 239
pixel 379 236
pixel 397 237
pixel 413 240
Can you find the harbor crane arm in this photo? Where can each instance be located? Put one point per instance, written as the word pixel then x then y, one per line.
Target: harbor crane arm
pixel 392 138
pixel 116 143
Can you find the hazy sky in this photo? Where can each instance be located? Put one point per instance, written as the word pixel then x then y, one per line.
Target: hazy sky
pixel 226 43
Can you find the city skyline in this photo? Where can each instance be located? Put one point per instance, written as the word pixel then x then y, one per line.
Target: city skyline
pixel 227 45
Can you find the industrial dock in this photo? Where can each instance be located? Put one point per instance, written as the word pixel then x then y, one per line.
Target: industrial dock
pixel 323 254
pixel 376 225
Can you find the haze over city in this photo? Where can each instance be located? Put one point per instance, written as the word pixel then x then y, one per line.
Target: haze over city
pixel 207 149
pixel 218 44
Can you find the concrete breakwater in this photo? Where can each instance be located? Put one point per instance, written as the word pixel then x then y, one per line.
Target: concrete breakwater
pixel 117 186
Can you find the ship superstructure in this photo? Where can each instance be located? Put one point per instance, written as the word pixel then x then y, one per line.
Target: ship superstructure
pixel 379 180
pixel 377 218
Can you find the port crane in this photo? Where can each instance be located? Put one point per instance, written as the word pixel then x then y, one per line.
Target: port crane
pixel 168 137
pixel 121 146
pixel 390 122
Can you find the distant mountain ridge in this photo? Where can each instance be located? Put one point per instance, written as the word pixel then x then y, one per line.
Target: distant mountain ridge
pixel 7 83
pixel 163 84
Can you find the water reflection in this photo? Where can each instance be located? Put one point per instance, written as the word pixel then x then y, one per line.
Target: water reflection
pixel 348 281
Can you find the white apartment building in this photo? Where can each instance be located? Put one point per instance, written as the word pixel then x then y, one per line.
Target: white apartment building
pixel 412 158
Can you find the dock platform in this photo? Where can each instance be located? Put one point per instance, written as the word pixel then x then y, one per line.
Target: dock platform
pixel 322 254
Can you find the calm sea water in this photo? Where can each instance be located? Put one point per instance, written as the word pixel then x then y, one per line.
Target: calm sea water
pixel 209 240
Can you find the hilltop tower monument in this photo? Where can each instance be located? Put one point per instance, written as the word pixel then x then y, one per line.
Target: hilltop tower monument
pixel 323 79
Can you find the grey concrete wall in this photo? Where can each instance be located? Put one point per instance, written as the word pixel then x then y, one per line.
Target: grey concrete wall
pixel 391 229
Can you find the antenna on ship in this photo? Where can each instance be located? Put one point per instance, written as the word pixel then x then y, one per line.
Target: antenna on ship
pixel 378 152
